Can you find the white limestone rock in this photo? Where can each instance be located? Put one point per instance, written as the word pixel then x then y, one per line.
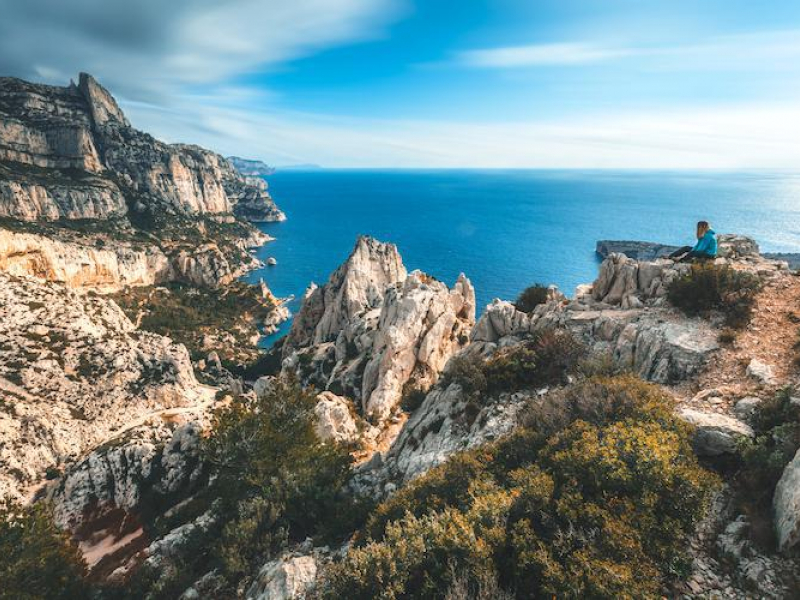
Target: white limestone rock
pixel 335 420
pixel 59 129
pixel 373 329
pixel 786 505
pixel 287 578
pixel 715 434
pixel 761 372
pixel 77 373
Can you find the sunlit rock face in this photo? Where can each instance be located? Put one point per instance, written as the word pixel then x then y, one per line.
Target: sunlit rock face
pixel 79 374
pixel 374 329
pixel 70 153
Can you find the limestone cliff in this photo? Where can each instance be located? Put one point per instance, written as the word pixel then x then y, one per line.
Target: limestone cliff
pixel 74 372
pixel 69 152
pixel 374 329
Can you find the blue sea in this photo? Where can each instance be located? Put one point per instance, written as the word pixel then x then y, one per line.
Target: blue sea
pixel 509 229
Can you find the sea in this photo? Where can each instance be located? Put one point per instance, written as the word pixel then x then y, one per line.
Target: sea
pixel 508 229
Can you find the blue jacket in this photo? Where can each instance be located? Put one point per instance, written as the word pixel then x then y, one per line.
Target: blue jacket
pixel 707 244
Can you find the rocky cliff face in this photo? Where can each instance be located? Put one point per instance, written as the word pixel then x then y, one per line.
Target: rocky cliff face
pixel 71 153
pixel 76 373
pixel 107 267
pixel 374 329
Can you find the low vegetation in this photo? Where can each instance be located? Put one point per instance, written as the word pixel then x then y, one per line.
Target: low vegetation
pixel 223 320
pixel 707 288
pixel 544 359
pixel 274 483
pixel 593 496
pixel 776 422
pixel 37 560
pixel 531 297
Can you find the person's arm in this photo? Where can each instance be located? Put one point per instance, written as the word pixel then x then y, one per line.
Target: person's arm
pixel 701 245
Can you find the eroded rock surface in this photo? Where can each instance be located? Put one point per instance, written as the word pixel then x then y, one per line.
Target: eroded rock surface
pixel 74 373
pixel 786 504
pixel 373 329
pixel 69 152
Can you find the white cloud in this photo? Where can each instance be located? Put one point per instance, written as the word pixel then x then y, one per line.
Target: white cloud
pixel 540 55
pixel 767 50
pixel 735 137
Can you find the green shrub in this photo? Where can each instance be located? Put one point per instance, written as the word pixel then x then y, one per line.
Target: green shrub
pixel 599 504
pixel 37 560
pixel 707 287
pixel 531 297
pixel 467 372
pixel 276 482
pixel 776 422
pixel 545 359
pixel 412 397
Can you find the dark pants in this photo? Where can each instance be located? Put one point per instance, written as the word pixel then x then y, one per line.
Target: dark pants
pixel 686 254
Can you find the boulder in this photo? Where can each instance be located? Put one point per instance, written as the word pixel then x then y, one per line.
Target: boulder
pixel 745 407
pixel 335 420
pixel 715 434
pixel 287 578
pixel 786 505
pixel 761 372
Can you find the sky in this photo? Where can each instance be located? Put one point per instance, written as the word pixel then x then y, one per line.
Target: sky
pixel 436 83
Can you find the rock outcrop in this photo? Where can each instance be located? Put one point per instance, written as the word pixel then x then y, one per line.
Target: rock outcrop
pixel 251 168
pixel 786 504
pixel 287 578
pixel 715 434
pixel 107 497
pixel 650 251
pixel 75 373
pixel 373 329
pixel 70 153
pixel 111 266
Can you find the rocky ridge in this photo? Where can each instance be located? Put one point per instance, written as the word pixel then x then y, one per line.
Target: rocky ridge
pixel 76 373
pixel 71 153
pixel 373 329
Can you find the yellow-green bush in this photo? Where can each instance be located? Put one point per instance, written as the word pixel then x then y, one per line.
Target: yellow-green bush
pixel 709 287
pixel 596 501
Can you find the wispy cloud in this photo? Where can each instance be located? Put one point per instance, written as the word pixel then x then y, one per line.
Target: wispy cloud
pixel 735 137
pixel 769 50
pixel 541 55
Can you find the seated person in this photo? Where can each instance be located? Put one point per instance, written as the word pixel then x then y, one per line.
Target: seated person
pixel 704 249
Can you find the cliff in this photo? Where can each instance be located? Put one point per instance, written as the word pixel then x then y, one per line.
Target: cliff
pixel 251 168
pixel 71 153
pixel 374 330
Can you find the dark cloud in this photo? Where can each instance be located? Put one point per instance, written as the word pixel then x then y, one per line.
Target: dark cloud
pixel 151 50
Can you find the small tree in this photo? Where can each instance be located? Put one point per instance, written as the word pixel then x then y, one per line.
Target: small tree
pixel 531 297
pixel 37 560
pixel 276 480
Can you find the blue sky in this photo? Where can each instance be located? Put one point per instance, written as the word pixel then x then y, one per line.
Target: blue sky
pixel 404 83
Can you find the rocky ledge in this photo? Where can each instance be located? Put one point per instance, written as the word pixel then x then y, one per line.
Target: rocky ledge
pixel 649 251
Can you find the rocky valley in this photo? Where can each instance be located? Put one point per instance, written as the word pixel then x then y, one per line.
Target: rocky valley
pixel 638 438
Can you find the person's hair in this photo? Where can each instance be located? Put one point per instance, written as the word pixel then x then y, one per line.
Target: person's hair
pixel 702 228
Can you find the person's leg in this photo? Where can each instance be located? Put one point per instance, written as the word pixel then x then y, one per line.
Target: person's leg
pixel 700 256
pixel 680 252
